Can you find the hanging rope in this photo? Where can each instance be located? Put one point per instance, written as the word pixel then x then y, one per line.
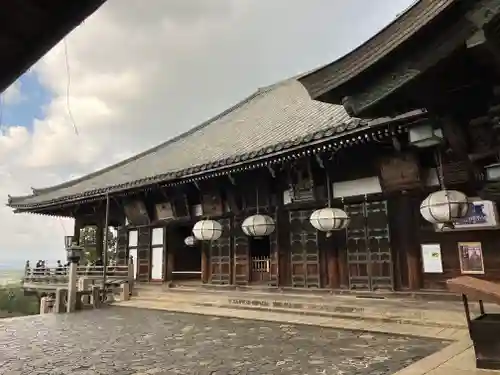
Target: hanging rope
pixel 257 198
pixel 439 167
pixel 68 87
pixel 328 189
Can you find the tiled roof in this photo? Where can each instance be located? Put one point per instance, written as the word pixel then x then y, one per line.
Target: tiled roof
pixel 335 74
pixel 272 120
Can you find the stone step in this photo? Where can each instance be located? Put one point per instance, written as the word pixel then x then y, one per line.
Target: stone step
pixel 442 333
pixel 346 308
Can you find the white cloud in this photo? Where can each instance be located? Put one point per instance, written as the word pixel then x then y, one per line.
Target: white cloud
pixel 141 74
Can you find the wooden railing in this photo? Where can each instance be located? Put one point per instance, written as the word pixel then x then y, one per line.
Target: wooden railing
pixel 261 264
pixel 60 274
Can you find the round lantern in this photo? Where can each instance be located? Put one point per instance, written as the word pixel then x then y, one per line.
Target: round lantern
pixel 190 241
pixel 444 206
pixel 329 219
pixel 207 230
pixel 258 225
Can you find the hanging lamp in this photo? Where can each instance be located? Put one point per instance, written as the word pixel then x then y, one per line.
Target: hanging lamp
pixel 258 225
pixel 444 206
pixel 329 219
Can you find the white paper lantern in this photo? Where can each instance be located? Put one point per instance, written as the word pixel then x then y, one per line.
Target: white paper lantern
pixel 258 225
pixel 444 206
pixel 207 230
pixel 190 241
pixel 329 219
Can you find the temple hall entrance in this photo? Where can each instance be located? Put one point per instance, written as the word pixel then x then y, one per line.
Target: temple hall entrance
pixel 186 259
pixel 260 255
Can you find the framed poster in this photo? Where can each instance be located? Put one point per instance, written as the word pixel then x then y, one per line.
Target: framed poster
pixel 471 257
pixel 431 258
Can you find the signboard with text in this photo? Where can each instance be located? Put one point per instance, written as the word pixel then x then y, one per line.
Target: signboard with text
pixel 482 215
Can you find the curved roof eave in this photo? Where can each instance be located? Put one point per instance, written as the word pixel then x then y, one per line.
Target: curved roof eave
pixel 338 72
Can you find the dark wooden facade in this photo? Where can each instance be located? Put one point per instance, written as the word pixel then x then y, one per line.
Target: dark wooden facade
pixel 447 63
pixel 380 251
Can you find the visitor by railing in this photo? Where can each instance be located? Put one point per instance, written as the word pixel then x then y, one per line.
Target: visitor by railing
pixel 261 264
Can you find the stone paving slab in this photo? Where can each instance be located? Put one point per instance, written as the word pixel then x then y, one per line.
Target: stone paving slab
pixel 127 341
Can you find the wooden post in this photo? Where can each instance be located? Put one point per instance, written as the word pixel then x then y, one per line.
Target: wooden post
pixel 99 239
pixel 333 263
pixel 409 241
pixel 170 264
pixel 79 225
pixel 204 263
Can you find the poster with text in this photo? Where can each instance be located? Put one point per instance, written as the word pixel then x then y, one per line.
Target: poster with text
pixel 471 257
pixel 431 258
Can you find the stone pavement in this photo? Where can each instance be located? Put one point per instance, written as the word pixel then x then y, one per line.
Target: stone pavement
pixel 455 359
pixel 127 341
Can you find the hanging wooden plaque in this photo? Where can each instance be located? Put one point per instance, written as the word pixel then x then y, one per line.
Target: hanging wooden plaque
pixel 400 172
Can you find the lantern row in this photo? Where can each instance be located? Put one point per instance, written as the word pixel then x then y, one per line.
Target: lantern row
pixel 440 208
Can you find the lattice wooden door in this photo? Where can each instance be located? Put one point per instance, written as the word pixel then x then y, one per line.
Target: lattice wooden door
pixel 220 256
pixel 368 247
pixel 144 253
pixel 304 251
pixel 241 253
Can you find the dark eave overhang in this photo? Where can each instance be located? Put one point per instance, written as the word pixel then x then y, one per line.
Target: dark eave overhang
pixel 332 139
pixel 30 28
pixel 402 29
pixel 388 66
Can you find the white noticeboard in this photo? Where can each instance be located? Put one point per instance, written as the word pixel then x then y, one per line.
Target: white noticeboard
pixel 431 258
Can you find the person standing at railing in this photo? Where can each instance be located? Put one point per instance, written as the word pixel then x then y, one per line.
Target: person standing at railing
pixel 59 268
pixel 27 268
pixel 38 268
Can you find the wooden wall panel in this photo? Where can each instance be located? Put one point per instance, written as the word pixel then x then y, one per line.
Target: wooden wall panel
pixel 490 240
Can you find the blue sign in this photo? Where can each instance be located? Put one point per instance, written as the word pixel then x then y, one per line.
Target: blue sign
pixel 476 215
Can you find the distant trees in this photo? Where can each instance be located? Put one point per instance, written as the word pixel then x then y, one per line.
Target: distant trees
pixel 13 302
pixel 88 239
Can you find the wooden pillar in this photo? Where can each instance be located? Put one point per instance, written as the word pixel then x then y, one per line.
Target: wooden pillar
pixel 170 264
pixel 79 225
pixel 122 246
pixel 409 240
pixel 205 264
pixel 332 263
pixel 99 240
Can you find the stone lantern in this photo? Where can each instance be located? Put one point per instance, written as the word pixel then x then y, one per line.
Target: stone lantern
pixel 74 253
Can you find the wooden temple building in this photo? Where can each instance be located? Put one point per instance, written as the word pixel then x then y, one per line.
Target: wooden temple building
pixel 323 181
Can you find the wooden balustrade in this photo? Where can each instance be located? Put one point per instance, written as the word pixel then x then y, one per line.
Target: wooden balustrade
pixel 60 274
pixel 261 264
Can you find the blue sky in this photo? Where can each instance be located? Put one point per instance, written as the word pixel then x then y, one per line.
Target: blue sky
pixel 32 101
